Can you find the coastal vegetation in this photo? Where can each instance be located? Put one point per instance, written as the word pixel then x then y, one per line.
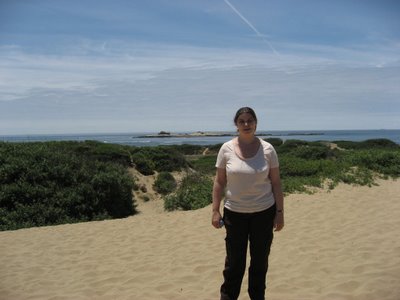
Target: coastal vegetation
pixel 48 183
pixel 165 183
pixel 194 192
pixel 62 182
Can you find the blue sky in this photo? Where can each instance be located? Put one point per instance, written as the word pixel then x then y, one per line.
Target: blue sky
pixel 92 66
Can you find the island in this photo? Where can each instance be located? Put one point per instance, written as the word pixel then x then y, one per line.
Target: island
pixel 166 134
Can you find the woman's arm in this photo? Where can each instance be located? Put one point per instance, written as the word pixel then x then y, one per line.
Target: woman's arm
pixel 218 188
pixel 278 195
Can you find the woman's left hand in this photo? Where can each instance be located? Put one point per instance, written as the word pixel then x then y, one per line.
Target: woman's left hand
pixel 279 221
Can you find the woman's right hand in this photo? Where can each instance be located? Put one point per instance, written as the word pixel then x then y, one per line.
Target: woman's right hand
pixel 216 218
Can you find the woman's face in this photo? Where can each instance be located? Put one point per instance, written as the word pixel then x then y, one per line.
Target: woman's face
pixel 246 124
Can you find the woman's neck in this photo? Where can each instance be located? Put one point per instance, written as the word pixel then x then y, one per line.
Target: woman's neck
pixel 246 140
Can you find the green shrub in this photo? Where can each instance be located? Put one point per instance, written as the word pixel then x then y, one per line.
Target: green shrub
pixel 292 144
pixel 104 152
pixel 315 152
pixel 213 149
pixel 205 164
pixel 161 158
pixel 292 166
pixel 52 183
pixel 135 185
pixel 358 176
pixel 300 184
pixel 113 187
pixel 276 142
pixel 187 149
pixel 194 192
pixel 383 161
pixel 368 144
pixel 165 183
pixel 145 198
pixel 143 164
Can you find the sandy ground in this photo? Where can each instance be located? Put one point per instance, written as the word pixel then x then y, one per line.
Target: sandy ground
pixel 337 245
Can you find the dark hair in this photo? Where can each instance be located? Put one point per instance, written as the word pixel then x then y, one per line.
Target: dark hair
pixel 243 110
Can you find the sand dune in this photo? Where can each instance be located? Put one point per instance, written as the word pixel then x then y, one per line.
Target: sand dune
pixel 340 245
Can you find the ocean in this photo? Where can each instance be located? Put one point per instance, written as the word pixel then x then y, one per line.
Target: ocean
pixel 137 139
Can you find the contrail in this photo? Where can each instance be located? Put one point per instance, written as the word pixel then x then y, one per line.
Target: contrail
pixel 252 27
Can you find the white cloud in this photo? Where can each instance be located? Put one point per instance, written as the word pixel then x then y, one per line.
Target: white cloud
pixel 155 87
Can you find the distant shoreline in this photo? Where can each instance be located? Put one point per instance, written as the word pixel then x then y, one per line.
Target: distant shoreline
pixel 164 134
pixel 208 137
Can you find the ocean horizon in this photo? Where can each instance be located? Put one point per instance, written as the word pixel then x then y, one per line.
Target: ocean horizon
pixel 151 138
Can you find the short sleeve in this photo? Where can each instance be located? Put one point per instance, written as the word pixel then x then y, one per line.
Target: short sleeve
pixel 221 158
pixel 270 155
pixel 274 162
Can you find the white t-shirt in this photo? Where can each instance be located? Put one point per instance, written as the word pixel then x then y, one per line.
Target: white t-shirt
pixel 248 187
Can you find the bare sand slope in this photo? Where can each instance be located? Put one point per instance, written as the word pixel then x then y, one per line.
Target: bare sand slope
pixel 339 245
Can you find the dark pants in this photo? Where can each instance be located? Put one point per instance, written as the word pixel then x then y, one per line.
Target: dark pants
pixel 241 228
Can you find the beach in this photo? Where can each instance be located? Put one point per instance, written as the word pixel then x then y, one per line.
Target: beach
pixel 337 245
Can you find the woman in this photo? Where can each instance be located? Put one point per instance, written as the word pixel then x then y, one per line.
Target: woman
pixel 247 167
